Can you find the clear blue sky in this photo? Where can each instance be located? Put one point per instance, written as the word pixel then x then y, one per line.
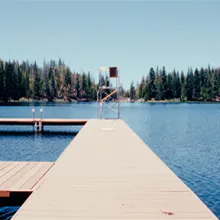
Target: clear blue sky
pixel 131 35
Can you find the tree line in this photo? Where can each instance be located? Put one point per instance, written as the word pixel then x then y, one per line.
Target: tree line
pixel 54 80
pixel 198 85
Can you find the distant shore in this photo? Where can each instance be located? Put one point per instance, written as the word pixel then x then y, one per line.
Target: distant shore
pixel 40 101
pixel 170 101
pixel 125 100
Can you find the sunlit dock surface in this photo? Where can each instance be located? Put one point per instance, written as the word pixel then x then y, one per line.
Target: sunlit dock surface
pixel 107 172
pixel 21 176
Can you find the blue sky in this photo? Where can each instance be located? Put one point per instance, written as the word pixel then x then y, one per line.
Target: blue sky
pixel 131 35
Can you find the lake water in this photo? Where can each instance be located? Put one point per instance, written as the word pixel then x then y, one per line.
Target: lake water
pixel 185 136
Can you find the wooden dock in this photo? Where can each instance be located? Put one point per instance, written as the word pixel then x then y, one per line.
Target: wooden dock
pixel 21 176
pixel 45 121
pixel 107 172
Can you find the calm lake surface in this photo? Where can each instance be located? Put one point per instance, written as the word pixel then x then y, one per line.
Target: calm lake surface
pixel 185 136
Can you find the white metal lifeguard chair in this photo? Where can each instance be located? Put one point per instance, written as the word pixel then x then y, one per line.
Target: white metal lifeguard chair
pixel 108 96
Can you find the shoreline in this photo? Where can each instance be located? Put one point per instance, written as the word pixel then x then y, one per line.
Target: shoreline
pixel 61 101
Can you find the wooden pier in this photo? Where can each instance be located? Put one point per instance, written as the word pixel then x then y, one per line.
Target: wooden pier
pixel 107 172
pixel 38 123
pixel 21 176
pixel 45 121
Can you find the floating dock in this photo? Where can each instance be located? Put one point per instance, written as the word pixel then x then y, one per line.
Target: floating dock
pixel 107 172
pixel 38 123
pixel 48 121
pixel 21 176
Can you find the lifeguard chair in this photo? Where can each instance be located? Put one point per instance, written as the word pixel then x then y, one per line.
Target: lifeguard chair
pixel 108 94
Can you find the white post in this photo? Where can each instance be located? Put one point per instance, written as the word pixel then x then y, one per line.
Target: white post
pixel 41 113
pixel 33 111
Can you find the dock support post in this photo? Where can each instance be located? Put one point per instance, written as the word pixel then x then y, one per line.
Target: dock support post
pixel 39 126
pixel 35 126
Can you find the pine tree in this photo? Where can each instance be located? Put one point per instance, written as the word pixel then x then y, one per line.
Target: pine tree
pixel 178 86
pixel 52 86
pixel 67 77
pixel 23 86
pixel 197 85
pixel 169 93
pixel 183 87
pixel 85 85
pixel 158 84
pixel 163 85
pixel 9 71
pixel 37 82
pixel 204 79
pixel 216 83
pixel 151 85
pixel 189 85
pixel 27 79
pixel 77 86
pixel 68 92
pixel 19 77
pixel 174 84
pixel 89 80
pixel 210 92
pixel 142 88
pixel 146 91
pixel 47 87
pixel 57 82
pixel 89 86
pixel 60 62
pixel 14 83
pixel 132 91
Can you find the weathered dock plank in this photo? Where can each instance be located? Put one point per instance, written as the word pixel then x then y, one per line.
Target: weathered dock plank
pixel 107 172
pixel 21 176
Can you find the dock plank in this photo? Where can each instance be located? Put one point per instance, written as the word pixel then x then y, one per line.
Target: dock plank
pixel 21 176
pixel 3 165
pixel 28 175
pixel 107 172
pixel 7 170
pixel 26 167
pixel 35 181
